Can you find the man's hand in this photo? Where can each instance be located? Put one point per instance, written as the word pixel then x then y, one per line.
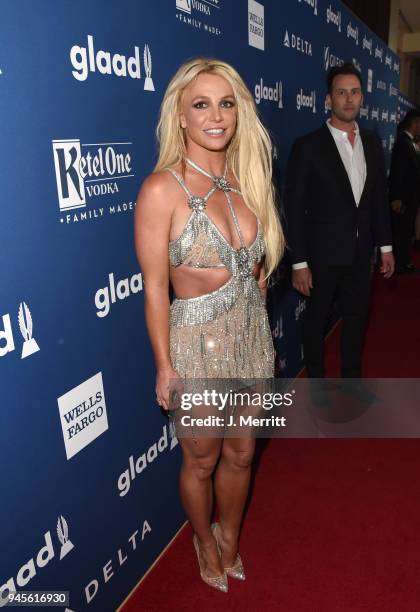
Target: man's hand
pixel 396 206
pixel 302 280
pixel 388 264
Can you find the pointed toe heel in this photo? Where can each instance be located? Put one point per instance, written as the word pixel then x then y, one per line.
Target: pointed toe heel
pixel 237 569
pixel 217 582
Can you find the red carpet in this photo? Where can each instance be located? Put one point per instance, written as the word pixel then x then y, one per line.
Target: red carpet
pixel 333 525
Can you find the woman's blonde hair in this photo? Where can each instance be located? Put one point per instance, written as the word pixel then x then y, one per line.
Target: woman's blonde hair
pixel 248 153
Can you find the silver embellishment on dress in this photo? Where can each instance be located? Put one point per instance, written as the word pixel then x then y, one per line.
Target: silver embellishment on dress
pixel 197 203
pixel 210 306
pixel 239 262
pixel 244 262
pixel 222 183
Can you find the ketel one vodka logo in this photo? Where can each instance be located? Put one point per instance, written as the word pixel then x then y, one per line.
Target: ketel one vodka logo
pixel 184 5
pixel 44 555
pixel 7 343
pixel 87 170
pixel 85 60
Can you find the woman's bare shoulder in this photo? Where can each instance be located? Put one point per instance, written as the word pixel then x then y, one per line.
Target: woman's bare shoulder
pixel 156 183
pixel 157 190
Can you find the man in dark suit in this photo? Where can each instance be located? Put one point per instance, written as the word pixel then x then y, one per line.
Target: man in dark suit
pixel 337 211
pixel 404 189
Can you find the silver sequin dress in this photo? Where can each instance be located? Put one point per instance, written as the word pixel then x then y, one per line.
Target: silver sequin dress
pixel 225 333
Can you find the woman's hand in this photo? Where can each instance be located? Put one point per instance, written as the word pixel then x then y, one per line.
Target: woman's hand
pixel 169 388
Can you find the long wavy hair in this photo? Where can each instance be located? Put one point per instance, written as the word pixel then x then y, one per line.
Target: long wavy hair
pixel 248 153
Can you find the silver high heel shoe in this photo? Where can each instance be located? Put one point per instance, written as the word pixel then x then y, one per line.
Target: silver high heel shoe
pixel 237 570
pixel 217 582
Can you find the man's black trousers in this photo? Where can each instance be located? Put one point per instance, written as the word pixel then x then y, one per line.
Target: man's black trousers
pixel 403 230
pixel 351 286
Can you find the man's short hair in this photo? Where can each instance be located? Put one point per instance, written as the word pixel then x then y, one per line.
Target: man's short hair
pixel 412 116
pixel 347 68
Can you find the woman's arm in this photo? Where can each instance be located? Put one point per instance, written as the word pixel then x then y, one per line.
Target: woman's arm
pixel 152 221
pixel 262 282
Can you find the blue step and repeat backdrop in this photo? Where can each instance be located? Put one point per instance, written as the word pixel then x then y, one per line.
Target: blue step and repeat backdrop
pixel 89 470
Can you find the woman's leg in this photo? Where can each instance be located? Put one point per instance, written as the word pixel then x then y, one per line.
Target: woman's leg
pixel 196 487
pixel 231 489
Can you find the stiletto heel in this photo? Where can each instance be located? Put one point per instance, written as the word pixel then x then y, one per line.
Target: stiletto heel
pixel 217 582
pixel 237 570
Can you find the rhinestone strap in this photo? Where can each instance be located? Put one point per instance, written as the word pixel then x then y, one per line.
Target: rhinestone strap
pixel 223 184
pixel 196 203
pixel 220 182
pixel 243 255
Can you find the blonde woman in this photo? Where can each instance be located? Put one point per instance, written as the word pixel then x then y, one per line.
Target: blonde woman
pixel 206 223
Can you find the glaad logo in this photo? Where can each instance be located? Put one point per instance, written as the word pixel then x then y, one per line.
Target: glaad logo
pixel 379 53
pixel 393 117
pixel 331 60
pixel 30 345
pixel 109 295
pixel 297 43
pixel 393 91
pixel 388 61
pixel 83 414
pixel 271 94
pixel 190 8
pixel 370 80
pixel 375 114
pixel 256 24
pixel 91 174
pixel 43 557
pixel 385 115
pixel 87 60
pixel 327 107
pixel 108 570
pixel 357 65
pixel 353 32
pixel 136 466
pixel 367 44
pixel 277 332
pixel 312 3
pixel 396 67
pixel 364 112
pixel 381 85
pixel 304 101
pixel 147 58
pixel 334 18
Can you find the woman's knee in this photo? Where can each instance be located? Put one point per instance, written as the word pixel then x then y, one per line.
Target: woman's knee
pixel 202 464
pixel 240 458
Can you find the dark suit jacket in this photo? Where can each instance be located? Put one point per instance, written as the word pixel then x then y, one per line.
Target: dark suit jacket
pixel 404 175
pixel 323 220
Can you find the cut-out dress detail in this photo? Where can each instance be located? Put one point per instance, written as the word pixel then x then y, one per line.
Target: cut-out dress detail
pixel 224 333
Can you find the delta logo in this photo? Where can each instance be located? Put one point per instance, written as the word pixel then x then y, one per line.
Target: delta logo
pixel 297 43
